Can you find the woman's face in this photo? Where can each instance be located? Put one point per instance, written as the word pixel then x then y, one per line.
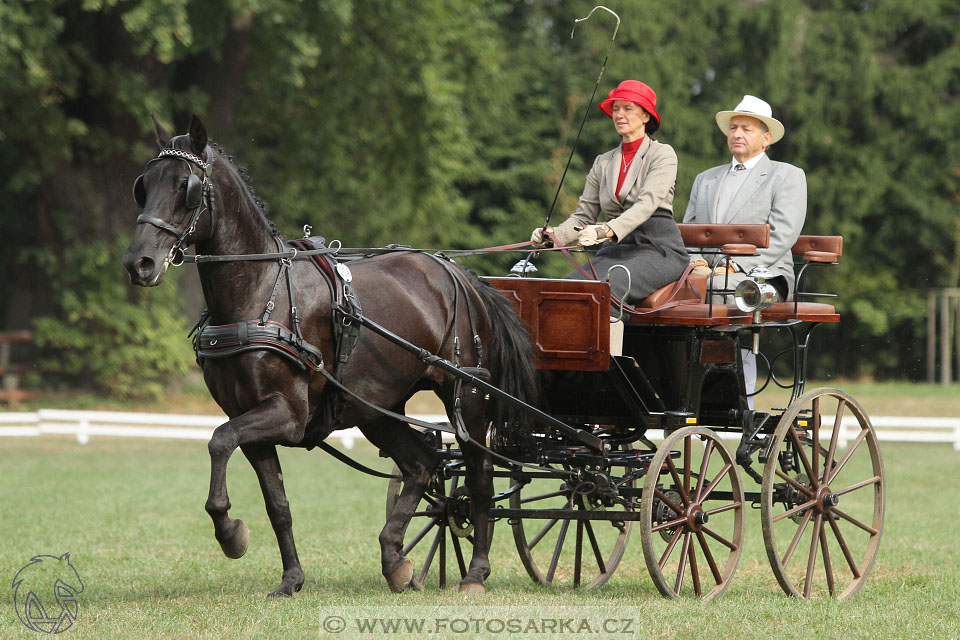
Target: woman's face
pixel 630 119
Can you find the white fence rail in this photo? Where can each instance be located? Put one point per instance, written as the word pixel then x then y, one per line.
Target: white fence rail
pixel 87 424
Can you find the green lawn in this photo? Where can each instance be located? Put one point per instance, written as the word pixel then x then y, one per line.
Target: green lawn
pixel 131 514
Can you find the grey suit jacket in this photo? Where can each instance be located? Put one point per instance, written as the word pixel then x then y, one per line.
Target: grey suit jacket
pixel 648 187
pixel 775 193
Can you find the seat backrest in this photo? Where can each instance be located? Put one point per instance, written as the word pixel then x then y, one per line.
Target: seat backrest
pixel 717 235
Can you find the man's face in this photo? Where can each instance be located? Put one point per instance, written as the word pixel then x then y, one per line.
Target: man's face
pixel 746 137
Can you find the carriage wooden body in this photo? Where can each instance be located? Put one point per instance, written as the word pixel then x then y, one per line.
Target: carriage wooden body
pixel 681 441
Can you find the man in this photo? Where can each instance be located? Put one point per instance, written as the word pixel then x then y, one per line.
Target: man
pixel 752 189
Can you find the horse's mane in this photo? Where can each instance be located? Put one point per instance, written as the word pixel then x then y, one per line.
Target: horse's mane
pixel 183 142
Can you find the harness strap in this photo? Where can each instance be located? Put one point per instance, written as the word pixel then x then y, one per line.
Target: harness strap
pixel 221 341
pixel 344 458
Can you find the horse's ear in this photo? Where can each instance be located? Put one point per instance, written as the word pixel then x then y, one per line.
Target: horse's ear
pixel 198 136
pixel 163 136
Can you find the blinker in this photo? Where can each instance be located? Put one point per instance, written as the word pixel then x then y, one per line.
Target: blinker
pixel 139 192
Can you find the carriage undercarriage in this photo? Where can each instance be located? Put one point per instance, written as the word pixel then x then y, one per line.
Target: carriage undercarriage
pixel 684 457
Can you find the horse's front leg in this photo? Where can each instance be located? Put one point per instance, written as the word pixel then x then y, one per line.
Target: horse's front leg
pixel 270 422
pixel 265 462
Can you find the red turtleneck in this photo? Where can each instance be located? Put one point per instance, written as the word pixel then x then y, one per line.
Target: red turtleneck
pixel 629 150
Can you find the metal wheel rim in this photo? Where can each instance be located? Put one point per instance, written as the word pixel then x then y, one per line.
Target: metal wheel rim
pixel 829 528
pixel 693 543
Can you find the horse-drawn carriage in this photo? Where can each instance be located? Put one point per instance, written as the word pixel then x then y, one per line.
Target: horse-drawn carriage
pixel 655 433
pixel 678 379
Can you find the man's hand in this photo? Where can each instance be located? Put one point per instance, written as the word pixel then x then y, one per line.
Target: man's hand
pixel 594 234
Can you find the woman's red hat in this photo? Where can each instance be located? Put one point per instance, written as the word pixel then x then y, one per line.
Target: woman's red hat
pixel 634 91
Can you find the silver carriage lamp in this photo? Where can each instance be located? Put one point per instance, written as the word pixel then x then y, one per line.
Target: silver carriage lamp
pixel 522 268
pixel 754 295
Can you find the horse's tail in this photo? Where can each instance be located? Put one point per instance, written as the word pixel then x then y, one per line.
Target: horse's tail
pixel 509 357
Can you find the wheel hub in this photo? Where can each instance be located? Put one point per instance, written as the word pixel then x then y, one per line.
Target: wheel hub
pixel 458 512
pixel 826 499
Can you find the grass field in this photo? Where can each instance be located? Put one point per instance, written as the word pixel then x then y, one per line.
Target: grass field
pixel 131 515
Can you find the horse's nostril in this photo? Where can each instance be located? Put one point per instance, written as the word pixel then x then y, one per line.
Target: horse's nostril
pixel 145 266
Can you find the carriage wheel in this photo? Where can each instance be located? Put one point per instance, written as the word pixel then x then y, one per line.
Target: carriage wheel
pixel 551 553
pixel 822 508
pixel 691 524
pixel 440 524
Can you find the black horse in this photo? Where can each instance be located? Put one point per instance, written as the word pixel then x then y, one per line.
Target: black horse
pixel 276 395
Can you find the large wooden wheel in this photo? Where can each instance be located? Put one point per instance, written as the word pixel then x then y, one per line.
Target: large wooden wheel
pixel 581 544
pixel 692 514
pixel 440 524
pixel 822 507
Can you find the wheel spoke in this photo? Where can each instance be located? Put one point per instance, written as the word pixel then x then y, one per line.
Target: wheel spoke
pixel 687 450
pixel 546 529
pixel 459 553
pixel 437 539
pixel 796 485
pixel 707 451
pixel 825 552
pixel 716 536
pixel 670 503
pixel 843 546
pixel 682 565
pixel 797 509
pixel 726 507
pixel 796 539
pixel 421 535
pixel 670 546
pixel 597 554
pixel 709 557
pixel 854 521
pixel 816 437
pixel 669 524
pixel 859 485
pixel 713 485
pixel 834 437
pixel 803 457
pixel 695 571
pixel 578 555
pixel 812 560
pixel 846 456
pixel 684 494
pixel 557 549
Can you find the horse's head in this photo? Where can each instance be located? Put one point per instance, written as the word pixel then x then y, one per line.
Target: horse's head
pixel 173 192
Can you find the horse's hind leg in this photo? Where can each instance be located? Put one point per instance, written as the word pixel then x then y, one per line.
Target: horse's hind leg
pixel 265 462
pixel 416 461
pixel 479 481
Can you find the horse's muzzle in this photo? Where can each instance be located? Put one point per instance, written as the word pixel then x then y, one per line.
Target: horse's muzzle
pixel 144 271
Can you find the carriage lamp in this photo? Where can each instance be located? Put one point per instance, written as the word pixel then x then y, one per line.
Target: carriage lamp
pixel 522 268
pixel 754 295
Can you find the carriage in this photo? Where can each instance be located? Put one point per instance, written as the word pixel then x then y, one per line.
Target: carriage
pixel 651 430
pixel 677 379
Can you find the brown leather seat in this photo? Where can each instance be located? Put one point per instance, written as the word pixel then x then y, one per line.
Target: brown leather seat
pixel 695 314
pixel 694 288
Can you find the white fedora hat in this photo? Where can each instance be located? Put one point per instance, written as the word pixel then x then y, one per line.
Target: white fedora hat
pixel 755 108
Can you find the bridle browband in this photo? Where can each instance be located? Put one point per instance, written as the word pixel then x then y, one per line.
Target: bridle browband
pixel 198 198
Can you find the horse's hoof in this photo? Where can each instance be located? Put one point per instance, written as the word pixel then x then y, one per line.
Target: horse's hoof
pixel 472 589
pixel 402 577
pixel 236 545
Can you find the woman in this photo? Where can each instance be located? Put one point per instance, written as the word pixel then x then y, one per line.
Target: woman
pixel 632 186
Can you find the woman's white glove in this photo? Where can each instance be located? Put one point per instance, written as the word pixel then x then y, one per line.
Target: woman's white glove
pixel 538 239
pixel 594 234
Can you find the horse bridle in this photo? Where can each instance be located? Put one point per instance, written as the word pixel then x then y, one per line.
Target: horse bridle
pixel 198 199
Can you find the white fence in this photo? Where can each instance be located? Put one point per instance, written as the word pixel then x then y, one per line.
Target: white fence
pixel 86 424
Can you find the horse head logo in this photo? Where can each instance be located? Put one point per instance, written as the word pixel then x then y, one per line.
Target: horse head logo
pixel 45 594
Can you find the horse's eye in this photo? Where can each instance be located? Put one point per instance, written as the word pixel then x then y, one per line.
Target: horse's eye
pixel 183 185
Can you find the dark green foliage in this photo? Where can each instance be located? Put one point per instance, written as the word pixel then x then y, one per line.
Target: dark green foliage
pixel 447 124
pixel 122 341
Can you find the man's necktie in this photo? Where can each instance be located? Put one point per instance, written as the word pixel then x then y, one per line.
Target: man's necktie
pixel 739 167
